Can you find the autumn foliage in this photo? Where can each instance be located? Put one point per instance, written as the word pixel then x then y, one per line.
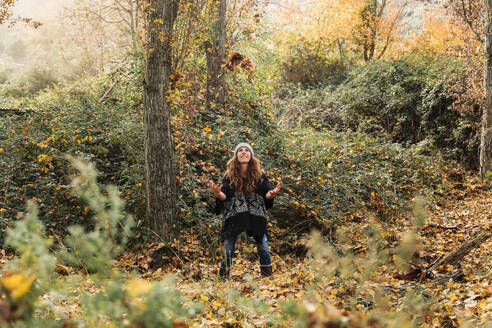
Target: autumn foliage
pixel 371 127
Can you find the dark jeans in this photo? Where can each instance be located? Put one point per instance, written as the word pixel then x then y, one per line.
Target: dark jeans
pixel 230 246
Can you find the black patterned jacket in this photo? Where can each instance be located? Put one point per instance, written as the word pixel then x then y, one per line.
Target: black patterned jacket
pixel 240 213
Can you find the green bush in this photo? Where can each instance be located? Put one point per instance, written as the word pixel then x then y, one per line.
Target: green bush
pixel 309 65
pixel 77 120
pixel 108 131
pixel 330 174
pixel 28 82
pixel 94 250
pixel 31 297
pixel 70 120
pixel 296 106
pixel 404 100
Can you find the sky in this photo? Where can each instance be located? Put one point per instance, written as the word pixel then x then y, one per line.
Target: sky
pixel 38 9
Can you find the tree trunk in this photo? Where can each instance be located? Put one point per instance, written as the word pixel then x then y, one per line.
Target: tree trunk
pixel 159 167
pixel 486 138
pixel 216 57
pixel 368 29
pixel 340 51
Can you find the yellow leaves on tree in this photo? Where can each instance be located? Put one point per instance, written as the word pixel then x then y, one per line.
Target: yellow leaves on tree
pixel 344 24
pixel 441 35
pixel 333 20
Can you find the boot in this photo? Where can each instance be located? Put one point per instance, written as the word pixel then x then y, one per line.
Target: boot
pixel 266 270
pixel 224 273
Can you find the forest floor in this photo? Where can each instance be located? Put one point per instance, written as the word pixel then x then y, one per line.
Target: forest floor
pixel 249 300
pixel 466 212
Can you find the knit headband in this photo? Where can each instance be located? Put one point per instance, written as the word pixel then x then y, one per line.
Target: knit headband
pixel 243 144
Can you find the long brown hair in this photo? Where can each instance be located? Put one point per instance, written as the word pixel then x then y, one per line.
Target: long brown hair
pixel 237 182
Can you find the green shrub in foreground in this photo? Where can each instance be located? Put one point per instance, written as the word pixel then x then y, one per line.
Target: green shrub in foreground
pixel 356 290
pixel 94 250
pixel 28 287
pixel 345 289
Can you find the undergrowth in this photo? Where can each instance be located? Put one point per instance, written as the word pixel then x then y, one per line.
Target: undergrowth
pixel 326 175
pixel 408 101
pixel 341 288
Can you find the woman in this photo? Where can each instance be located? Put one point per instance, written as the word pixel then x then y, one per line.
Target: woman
pixel 243 198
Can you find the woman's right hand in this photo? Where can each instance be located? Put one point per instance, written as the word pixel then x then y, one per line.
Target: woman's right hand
pixel 215 188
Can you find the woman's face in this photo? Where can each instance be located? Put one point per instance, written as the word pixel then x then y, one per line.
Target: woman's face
pixel 243 155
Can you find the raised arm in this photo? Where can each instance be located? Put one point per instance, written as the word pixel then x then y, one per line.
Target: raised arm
pixel 216 190
pixel 272 193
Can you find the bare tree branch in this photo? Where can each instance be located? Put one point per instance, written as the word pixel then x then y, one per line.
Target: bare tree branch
pixel 390 33
pixel 469 22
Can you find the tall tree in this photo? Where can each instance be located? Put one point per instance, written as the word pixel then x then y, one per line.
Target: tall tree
pixel 486 137
pixel 159 167
pixel 216 55
pixel 370 28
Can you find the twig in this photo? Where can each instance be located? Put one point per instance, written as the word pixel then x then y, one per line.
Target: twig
pixel 433 225
pixel 108 91
pixel 17 111
pixel 165 243
pixel 469 23
pixel 290 229
pixel 461 251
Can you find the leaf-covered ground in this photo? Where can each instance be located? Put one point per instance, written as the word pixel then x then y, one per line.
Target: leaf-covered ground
pixel 306 292
pixel 466 298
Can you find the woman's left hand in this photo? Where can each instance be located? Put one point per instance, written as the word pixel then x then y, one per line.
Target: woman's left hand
pixel 272 193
